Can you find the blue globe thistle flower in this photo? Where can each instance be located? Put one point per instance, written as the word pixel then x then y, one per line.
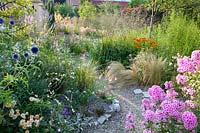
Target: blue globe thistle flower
pixel 26 54
pixel 1 20
pixel 12 22
pixel 34 49
pixel 15 56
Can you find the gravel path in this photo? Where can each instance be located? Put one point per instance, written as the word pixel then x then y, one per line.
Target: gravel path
pixel 128 102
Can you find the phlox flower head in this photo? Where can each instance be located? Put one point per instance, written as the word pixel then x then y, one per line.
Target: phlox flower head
pixel 156 93
pixel 190 104
pixel 189 120
pixel 129 117
pixel 34 49
pixel 195 55
pixel 161 116
pixel 181 79
pixel 149 115
pixel 185 64
pixel 171 93
pixel 169 85
pixel 129 125
pixel 145 104
pixel 129 121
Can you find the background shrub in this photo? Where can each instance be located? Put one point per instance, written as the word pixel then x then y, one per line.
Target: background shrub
pixel 116 48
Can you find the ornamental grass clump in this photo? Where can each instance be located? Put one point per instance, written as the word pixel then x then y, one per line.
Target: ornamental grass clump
pixel 175 109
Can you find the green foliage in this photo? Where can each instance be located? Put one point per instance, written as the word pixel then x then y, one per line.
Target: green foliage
pixel 118 48
pixel 87 10
pixel 135 3
pixel 108 8
pixel 177 35
pixel 50 8
pixel 17 8
pixel 65 10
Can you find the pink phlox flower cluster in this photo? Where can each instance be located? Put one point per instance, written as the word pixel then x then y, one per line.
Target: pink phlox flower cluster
pixel 129 123
pixel 171 93
pixel 173 108
pixel 190 104
pixel 185 64
pixel 181 79
pixel 156 93
pixel 189 120
pixel 161 116
pixel 195 56
pixel 188 90
pixel 149 115
pixel 145 104
pixel 169 85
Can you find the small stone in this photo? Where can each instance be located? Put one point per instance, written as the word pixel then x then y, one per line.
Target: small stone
pixel 115 107
pixel 137 91
pixel 95 123
pixel 109 110
pixel 101 119
pixel 115 101
pixel 145 94
pixel 107 116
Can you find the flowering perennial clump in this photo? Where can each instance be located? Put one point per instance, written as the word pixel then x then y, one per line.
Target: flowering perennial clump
pixel 129 123
pixel 166 109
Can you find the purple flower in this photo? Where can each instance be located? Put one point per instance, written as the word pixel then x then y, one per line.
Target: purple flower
pixel 65 112
pixel 34 49
pixel 1 20
pixel 15 56
pixel 156 93
pixel 190 120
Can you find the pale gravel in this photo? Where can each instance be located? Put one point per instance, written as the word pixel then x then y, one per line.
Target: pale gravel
pixel 129 102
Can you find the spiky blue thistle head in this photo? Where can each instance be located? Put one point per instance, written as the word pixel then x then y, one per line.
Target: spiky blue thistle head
pixel 34 49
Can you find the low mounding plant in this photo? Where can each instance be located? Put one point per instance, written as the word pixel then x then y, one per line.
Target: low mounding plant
pixel 146 68
pixel 118 75
pixel 175 109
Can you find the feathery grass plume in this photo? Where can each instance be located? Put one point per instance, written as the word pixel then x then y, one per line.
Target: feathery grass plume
pixel 118 75
pixel 149 68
